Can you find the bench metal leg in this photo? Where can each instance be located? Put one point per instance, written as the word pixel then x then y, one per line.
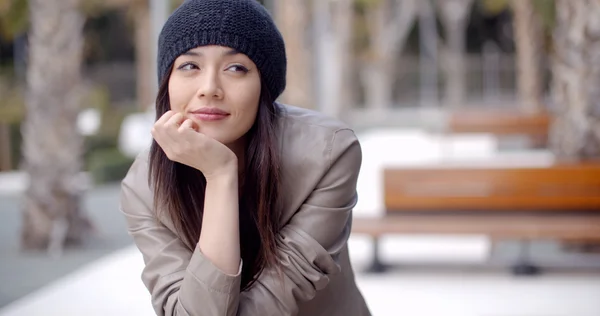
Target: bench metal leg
pixel 376 265
pixel 524 267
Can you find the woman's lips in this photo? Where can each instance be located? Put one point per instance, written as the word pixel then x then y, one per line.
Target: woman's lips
pixel 209 114
pixel 209 117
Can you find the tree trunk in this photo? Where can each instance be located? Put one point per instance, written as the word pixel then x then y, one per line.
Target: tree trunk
pixel 378 78
pixel 333 38
pixel 528 40
pixel 343 21
pixel 389 24
pixel 51 143
pixel 143 56
pixel 575 133
pixel 454 15
pixel 293 19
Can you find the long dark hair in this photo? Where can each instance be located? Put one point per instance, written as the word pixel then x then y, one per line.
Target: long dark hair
pixel 179 189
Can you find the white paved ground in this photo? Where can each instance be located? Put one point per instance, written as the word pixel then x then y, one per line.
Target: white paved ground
pixel 112 286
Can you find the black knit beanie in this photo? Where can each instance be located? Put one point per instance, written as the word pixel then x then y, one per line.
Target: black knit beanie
pixel 244 25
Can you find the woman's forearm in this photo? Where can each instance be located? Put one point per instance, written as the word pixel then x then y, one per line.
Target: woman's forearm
pixel 219 237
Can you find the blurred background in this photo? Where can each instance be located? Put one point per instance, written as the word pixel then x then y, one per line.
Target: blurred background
pixel 479 192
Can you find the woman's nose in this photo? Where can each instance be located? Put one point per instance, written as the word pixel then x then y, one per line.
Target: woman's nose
pixel 209 85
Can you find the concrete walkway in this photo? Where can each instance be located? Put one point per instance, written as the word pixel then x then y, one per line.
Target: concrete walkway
pixel 112 286
pixel 24 272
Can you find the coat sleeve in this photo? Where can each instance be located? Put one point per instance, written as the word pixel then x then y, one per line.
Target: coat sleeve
pixel 181 281
pixel 311 242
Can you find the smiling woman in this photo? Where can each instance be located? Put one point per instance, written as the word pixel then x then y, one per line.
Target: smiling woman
pixel 198 82
pixel 242 205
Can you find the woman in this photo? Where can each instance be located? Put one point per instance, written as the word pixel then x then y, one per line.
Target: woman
pixel 242 206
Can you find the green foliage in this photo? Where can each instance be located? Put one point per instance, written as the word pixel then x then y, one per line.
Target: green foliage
pixel 366 4
pixel 493 7
pixel 94 144
pixel 99 142
pixel 16 140
pixel 14 18
pixel 12 112
pixel 105 144
pixel 361 40
pixel 545 9
pixel 92 8
pixel 175 4
pixel 101 155
pixel 547 12
pixel 108 165
pixel 111 118
pixel 12 102
pixel 97 98
pixel 12 108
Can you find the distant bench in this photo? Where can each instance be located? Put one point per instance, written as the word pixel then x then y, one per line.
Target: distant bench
pixel 557 202
pixel 502 123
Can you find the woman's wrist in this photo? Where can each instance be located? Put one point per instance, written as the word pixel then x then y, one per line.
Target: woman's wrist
pixel 227 176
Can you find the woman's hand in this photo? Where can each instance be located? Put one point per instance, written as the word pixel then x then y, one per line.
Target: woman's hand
pixel 180 140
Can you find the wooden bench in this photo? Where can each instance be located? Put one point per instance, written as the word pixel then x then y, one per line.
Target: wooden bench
pixel 559 202
pixel 535 127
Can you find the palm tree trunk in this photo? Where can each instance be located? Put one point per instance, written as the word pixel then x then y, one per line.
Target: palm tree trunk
pixel 293 18
pixel 455 17
pixel 333 21
pixel 51 143
pixel 143 58
pixel 389 23
pixel 528 38
pixel 378 77
pixel 575 133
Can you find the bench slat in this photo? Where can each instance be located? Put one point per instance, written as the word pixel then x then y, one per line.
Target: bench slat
pixel 532 227
pixel 492 203
pixel 564 186
pixel 500 123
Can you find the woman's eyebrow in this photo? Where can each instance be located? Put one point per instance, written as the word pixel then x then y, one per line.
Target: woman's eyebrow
pixel 192 53
pixel 231 52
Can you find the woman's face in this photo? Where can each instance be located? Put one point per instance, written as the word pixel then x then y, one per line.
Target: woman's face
pixel 218 88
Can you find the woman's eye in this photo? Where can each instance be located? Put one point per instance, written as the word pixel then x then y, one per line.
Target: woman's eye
pixel 187 66
pixel 238 68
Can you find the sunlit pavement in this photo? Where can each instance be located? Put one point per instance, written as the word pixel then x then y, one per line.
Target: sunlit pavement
pixel 112 286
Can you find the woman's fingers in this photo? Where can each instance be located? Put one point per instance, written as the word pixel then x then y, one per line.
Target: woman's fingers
pixel 175 120
pixel 175 133
pixel 187 124
pixel 164 118
pixel 165 128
